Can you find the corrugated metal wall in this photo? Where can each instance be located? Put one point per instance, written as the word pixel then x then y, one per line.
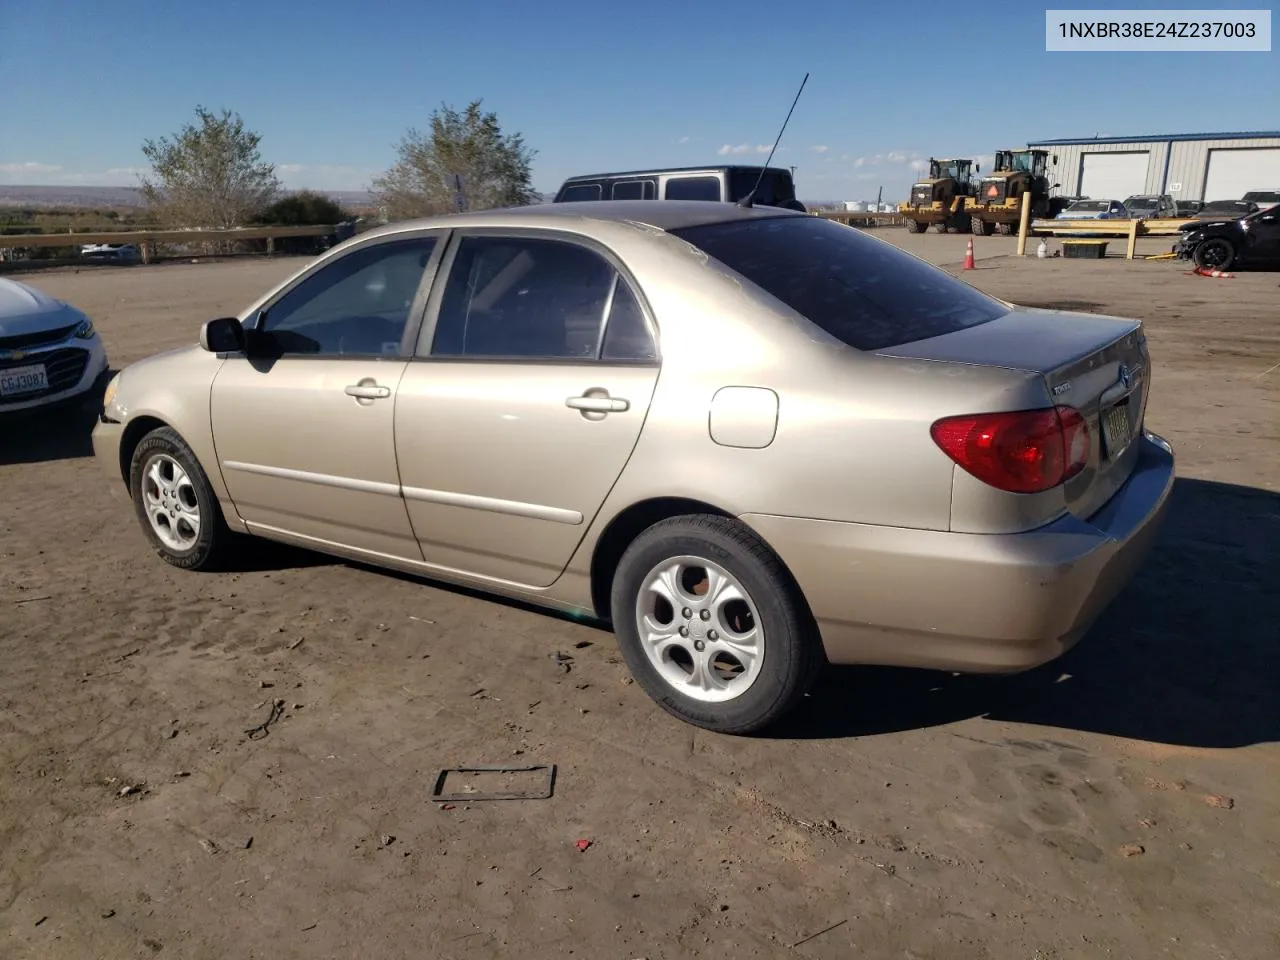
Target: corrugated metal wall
pixel 1071 162
pixel 1188 162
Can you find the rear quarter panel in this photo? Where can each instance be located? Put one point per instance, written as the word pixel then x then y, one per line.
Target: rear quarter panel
pixel 852 440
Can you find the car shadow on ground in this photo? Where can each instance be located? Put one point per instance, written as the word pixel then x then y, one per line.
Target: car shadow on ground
pixel 41 436
pixel 1188 655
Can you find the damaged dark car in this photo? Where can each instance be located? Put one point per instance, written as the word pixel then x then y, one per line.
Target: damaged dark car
pixel 1248 242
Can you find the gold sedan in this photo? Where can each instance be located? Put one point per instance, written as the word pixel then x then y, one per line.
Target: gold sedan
pixel 753 440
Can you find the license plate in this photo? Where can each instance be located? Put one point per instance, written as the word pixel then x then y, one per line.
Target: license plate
pixel 18 380
pixel 1117 430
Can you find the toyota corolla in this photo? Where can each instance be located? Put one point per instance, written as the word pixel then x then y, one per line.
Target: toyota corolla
pixel 752 440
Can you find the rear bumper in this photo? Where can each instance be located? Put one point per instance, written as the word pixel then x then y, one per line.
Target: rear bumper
pixel 971 602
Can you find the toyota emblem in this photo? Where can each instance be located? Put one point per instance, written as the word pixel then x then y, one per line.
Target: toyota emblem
pixel 1125 377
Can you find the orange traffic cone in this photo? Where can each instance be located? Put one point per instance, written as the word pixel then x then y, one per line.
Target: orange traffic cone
pixel 1218 274
pixel 968 256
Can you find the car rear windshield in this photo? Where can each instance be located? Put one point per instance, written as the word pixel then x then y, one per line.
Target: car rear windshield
pixel 1086 205
pixel 863 291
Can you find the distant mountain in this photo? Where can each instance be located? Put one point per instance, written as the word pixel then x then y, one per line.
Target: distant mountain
pixel 90 197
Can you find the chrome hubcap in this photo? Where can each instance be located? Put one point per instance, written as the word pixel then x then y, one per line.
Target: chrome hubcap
pixel 170 501
pixel 700 629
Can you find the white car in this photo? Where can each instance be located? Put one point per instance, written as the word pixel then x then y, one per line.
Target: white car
pixel 49 350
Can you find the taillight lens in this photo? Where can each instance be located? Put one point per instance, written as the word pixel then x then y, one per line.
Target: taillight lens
pixel 1025 451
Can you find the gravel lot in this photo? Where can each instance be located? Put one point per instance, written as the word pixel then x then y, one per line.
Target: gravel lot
pixel 1124 801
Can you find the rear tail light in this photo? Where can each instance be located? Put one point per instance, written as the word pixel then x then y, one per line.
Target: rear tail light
pixel 1026 451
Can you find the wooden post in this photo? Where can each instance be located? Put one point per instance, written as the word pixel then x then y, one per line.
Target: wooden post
pixel 1133 238
pixel 144 248
pixel 1024 223
pixel 271 245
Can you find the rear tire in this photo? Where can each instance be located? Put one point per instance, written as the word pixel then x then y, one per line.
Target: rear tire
pixel 1004 229
pixel 979 227
pixel 712 625
pixel 940 226
pixel 1216 253
pixel 915 226
pixel 176 505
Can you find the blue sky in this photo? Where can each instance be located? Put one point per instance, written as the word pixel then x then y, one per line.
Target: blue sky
pixel 332 85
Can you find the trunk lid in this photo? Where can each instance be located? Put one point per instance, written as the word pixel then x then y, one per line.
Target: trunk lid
pixel 1098 365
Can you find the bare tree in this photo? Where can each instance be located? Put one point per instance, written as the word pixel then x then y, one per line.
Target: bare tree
pixel 210 175
pixel 464 162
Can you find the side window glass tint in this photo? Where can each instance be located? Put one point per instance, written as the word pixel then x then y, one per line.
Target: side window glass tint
pixel 628 190
pixel 357 305
pixel 626 336
pixel 523 298
pixel 581 192
pixel 693 188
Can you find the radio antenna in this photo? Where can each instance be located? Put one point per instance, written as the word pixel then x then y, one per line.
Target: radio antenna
pixel 749 199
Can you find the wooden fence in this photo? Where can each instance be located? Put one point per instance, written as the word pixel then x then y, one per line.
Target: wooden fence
pixel 145 240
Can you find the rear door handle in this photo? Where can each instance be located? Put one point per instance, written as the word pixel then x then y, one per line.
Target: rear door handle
pixel 598 404
pixel 363 391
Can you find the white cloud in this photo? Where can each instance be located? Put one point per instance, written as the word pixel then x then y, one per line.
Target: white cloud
pixel 291 168
pixel 731 150
pixel 52 174
pixel 683 140
pixel 844 156
pixel 30 167
pixel 860 162
pixel 866 176
pixel 820 148
pixel 918 165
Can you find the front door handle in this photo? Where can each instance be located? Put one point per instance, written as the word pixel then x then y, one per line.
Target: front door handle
pixel 367 391
pixel 598 404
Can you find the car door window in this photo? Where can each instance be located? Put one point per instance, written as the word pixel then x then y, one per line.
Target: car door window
pixel 357 305
pixel 523 297
pixel 693 188
pixel 626 334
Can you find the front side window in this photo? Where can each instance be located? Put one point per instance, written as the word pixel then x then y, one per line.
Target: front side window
pixel 693 188
pixel 357 305
pixel 863 291
pixel 523 297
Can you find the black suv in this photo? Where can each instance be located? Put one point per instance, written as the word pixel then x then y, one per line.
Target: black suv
pixel 727 184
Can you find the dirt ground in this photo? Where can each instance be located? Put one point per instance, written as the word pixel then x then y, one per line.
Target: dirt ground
pixel 1122 802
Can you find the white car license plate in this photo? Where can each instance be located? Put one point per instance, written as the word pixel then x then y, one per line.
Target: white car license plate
pixel 1117 431
pixel 18 380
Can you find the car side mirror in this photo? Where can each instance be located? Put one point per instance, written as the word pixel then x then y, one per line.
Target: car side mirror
pixel 1055 186
pixel 223 335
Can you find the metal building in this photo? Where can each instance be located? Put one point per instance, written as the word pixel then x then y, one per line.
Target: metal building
pixel 1187 166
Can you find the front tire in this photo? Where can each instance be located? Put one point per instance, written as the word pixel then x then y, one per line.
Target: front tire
pixel 915 226
pixel 979 227
pixel 712 625
pixel 1215 253
pixel 175 504
pixel 940 226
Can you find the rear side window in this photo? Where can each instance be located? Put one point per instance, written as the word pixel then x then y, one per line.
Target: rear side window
pixel 773 190
pixel 634 190
pixel 693 188
pixel 862 291
pixel 580 192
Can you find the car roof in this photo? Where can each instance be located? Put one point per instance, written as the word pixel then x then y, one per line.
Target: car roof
pixel 661 214
pixel 659 171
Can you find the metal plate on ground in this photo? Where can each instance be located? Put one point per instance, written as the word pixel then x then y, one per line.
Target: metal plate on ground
pixel 543 783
